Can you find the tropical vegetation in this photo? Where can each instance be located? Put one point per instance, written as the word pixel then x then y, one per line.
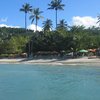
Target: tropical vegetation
pixel 56 5
pixel 63 38
pixel 26 8
pixel 35 15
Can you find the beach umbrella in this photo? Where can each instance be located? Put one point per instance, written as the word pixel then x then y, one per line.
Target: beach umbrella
pixel 83 51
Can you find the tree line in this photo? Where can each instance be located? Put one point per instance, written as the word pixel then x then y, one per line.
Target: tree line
pixel 17 41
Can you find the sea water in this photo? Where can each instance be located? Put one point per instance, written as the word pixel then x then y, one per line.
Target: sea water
pixel 49 82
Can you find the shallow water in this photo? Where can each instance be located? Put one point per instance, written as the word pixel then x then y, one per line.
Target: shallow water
pixel 45 82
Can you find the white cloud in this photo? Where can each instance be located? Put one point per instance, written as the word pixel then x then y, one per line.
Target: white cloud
pixel 86 21
pixel 3 19
pixel 33 27
pixel 10 26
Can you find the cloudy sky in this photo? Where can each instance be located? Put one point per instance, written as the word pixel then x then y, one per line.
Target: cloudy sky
pixel 76 12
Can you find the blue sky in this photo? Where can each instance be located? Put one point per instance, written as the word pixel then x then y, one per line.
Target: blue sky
pixel 75 10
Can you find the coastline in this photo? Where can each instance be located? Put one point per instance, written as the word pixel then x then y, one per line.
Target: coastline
pixel 76 61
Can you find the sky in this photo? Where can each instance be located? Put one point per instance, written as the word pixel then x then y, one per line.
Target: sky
pixel 76 12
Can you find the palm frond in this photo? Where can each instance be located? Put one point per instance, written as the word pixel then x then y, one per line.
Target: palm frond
pixel 56 4
pixel 22 9
pixel 26 8
pixel 98 19
pixel 32 17
pixel 32 21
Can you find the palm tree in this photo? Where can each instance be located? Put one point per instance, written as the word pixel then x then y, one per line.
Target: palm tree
pixel 26 8
pixel 62 25
pixel 47 25
pixel 56 5
pixel 35 15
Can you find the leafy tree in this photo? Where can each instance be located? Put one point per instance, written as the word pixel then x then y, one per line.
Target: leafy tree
pixel 56 5
pixel 35 15
pixel 17 44
pixel 26 8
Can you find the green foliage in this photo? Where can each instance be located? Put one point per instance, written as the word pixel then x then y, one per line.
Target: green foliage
pixel 74 39
pixel 16 41
pixel 17 44
pixel 13 40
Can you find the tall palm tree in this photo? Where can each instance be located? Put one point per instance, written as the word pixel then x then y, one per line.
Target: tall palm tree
pixel 35 15
pixel 47 25
pixel 56 5
pixel 26 8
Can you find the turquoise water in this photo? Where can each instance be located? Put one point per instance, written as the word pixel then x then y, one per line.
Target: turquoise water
pixel 45 82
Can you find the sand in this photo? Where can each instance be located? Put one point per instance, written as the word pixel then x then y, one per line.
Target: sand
pixel 83 60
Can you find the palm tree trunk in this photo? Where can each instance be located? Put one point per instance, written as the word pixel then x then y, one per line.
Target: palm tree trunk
pixel 56 18
pixel 29 49
pixel 25 21
pixel 36 24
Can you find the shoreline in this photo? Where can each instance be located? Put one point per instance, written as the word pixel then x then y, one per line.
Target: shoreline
pixel 76 61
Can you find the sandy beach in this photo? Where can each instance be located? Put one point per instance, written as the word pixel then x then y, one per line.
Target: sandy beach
pixel 84 60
